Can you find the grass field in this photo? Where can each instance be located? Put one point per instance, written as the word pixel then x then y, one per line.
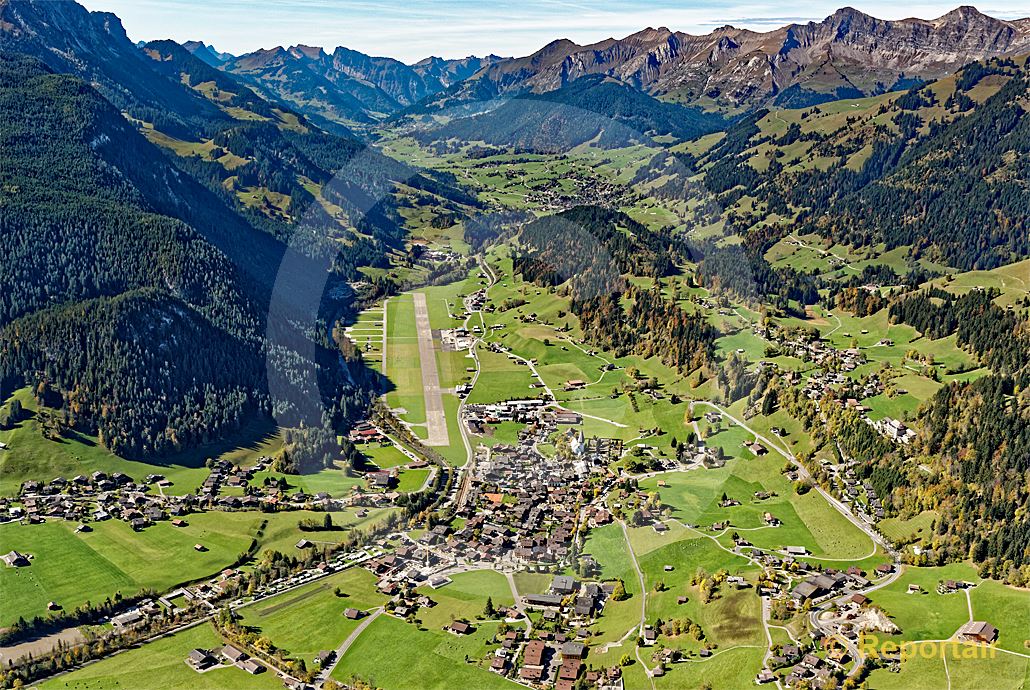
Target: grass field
pixel 71 568
pixel 395 655
pixel 310 619
pixel 1002 672
pixel 465 597
pixel 1006 608
pixel 807 520
pixel 161 664
pixel 926 615
pixel 609 548
pixel 732 618
pixel 901 530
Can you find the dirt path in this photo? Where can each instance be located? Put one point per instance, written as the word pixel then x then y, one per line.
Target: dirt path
pixel 436 420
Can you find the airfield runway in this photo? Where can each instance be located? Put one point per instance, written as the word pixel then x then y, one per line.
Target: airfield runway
pixel 436 420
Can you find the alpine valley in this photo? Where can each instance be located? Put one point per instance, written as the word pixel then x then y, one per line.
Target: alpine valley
pixel 667 361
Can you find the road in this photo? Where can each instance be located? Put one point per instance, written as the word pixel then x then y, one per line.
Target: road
pixel 519 606
pixel 805 474
pixel 643 600
pixel 326 672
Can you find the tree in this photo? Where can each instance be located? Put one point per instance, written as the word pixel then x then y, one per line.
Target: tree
pixel 327 522
pixel 489 610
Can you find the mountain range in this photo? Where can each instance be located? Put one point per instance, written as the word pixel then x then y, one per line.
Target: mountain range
pixel 845 55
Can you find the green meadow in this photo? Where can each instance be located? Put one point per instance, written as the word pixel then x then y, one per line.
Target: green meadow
pixel 71 568
pixel 162 664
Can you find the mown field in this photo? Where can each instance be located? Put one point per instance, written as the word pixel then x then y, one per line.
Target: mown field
pixel 71 568
pixel 162 664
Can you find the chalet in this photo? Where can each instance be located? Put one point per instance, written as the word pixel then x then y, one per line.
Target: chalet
pixel 573 650
pixel 533 655
pixel 584 606
pixel 811 661
pixel 569 669
pixel 564 584
pixel 978 632
pixel 200 659
pixel 859 599
pixel 459 628
pixel 353 614
pixel 531 673
pixel 325 657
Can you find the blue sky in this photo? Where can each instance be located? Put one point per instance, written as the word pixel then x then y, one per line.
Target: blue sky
pixel 413 29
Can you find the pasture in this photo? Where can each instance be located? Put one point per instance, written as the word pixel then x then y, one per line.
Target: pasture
pixel 161 664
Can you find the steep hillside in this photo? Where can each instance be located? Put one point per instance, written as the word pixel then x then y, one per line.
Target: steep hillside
pixel 285 75
pixel 207 53
pixel 347 86
pixel 94 47
pixel 593 109
pixel 180 65
pixel 94 214
pixel 937 172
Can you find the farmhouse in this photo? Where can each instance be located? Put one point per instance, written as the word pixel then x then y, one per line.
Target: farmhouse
pixel 232 654
pixel 542 600
pixel 459 628
pixel 564 584
pixel 252 667
pixel 128 619
pixel 978 631
pixel 200 659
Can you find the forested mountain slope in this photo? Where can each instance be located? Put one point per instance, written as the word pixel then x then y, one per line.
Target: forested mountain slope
pixel 940 169
pixel 594 109
pixel 124 275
